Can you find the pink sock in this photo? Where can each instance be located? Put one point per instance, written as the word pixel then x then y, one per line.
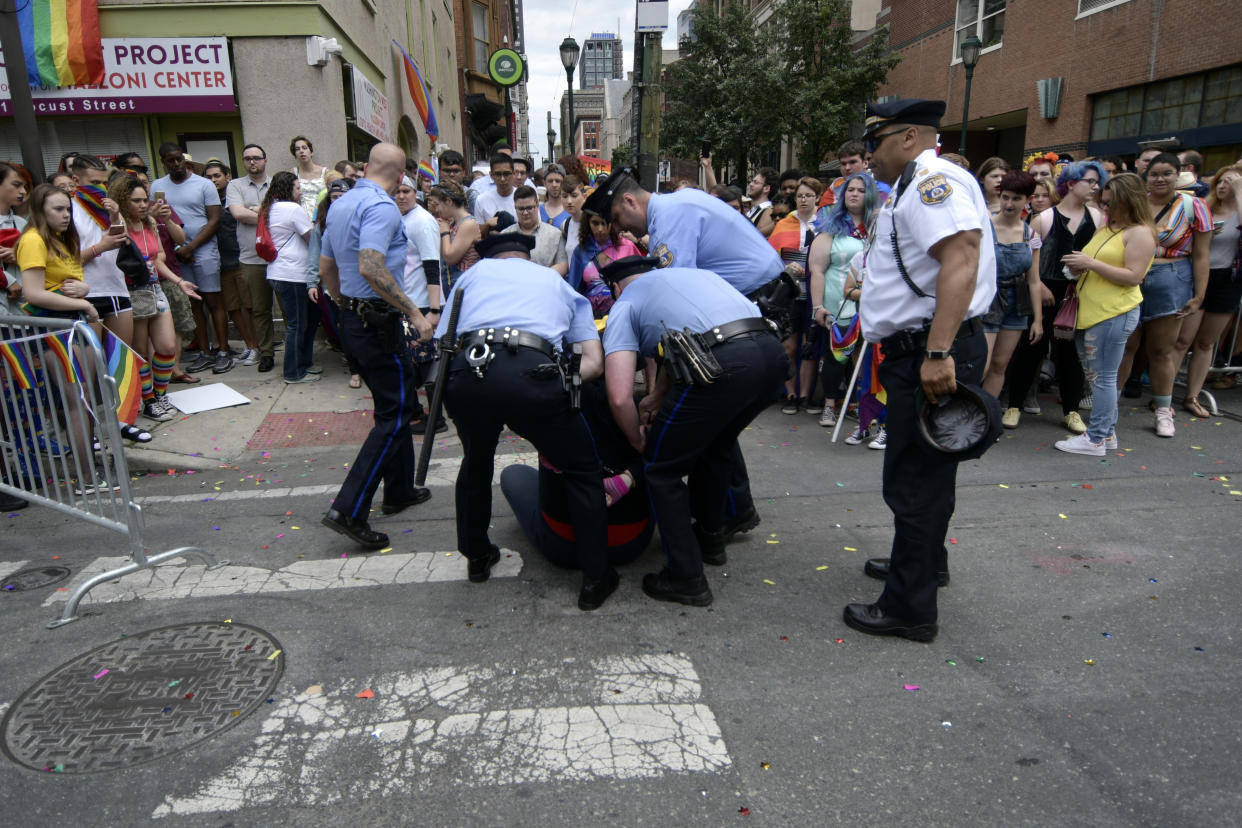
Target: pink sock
pixel 616 488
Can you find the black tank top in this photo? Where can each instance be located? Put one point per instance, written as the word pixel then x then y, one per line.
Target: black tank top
pixel 1061 241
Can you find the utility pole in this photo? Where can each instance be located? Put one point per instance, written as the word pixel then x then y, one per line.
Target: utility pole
pixel 20 99
pixel 647 155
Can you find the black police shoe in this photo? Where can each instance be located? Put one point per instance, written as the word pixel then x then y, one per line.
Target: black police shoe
pixel 595 591
pixel 419 495
pixel 878 568
pixel 662 586
pixel 420 426
pixel 870 619
pixel 11 503
pixel 359 531
pixel 741 523
pixel 266 363
pixel 711 546
pixel 480 569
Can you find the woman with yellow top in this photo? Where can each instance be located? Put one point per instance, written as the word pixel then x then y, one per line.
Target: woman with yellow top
pixel 1110 269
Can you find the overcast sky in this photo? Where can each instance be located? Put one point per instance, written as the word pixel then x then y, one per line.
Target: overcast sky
pixel 548 22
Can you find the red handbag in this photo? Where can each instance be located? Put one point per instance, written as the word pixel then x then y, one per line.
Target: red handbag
pixel 263 244
pixel 1066 322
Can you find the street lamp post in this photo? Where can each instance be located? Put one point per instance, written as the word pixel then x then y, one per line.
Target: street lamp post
pixel 970 59
pixel 569 59
pixel 551 146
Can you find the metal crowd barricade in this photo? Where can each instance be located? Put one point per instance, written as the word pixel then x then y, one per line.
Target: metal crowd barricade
pixel 60 442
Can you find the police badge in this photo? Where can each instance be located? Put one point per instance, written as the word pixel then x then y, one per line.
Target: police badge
pixel 934 189
pixel 665 255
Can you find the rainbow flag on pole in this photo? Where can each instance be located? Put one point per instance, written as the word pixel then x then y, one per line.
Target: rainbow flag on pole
pixel 60 348
pixel 18 366
pixel 418 91
pixel 62 42
pixel 123 363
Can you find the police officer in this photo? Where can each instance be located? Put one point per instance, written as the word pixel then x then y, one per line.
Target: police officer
pixel 692 229
pixel 930 275
pixel 362 266
pixel 698 418
pixel 516 318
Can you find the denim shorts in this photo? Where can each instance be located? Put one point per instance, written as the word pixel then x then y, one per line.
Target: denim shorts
pixel 1010 321
pixel 1167 289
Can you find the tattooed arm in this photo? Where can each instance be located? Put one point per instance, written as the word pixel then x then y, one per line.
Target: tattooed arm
pixel 373 268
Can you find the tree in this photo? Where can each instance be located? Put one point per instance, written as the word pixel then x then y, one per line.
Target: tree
pixel 834 76
pixel 725 88
pixel 621 155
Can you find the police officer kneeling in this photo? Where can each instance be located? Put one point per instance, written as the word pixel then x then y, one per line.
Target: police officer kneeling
pixel 931 275
pixel 517 318
pixel 722 365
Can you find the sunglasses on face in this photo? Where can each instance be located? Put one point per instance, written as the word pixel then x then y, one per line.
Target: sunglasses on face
pixel 872 142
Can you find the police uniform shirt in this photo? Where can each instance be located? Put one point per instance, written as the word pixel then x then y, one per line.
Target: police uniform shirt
pixel 672 297
pixel 692 229
pixel 365 218
pixel 941 200
pixel 520 294
pixel 422 233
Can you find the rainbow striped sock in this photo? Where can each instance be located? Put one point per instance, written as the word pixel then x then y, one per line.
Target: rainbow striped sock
pixel 162 371
pixel 144 374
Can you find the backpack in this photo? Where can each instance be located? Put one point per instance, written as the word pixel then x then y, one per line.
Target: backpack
pixel 263 244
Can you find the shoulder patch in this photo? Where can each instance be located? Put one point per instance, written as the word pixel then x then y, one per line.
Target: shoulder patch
pixel 665 255
pixel 934 189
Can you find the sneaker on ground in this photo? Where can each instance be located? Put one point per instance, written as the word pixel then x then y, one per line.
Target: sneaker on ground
pixel 222 364
pixel 201 364
pixel 881 440
pixel 1110 442
pixel 1074 423
pixel 156 410
pixel 857 437
pixel 828 417
pixel 315 369
pixel 1011 417
pixel 99 484
pixel 1081 444
pixel 1087 401
pixel 303 378
pixel 1164 422
pixel 250 356
pixel 1031 404
pixel 813 407
pixel 790 406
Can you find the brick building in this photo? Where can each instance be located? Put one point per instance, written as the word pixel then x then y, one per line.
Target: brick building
pixel 1087 77
pixel 483 26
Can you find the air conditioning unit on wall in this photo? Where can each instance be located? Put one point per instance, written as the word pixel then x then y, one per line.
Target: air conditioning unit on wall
pixel 1049 90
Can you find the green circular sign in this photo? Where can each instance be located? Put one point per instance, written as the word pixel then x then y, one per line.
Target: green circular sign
pixel 505 67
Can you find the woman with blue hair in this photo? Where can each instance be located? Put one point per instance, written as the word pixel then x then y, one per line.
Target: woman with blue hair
pixel 842 231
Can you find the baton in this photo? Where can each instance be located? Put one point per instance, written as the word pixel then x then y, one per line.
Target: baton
pixel 836 432
pixel 448 349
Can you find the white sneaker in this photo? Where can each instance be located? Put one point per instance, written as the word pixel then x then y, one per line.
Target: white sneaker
pixel 250 356
pixel 857 437
pixel 828 417
pixel 1080 444
pixel 1031 404
pixel 881 440
pixel 1110 442
pixel 1164 422
pixel 1086 402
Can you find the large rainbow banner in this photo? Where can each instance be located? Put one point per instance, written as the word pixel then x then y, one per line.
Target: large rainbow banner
pixel 418 92
pixel 62 42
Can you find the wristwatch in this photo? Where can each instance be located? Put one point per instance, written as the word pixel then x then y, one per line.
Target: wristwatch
pixel 938 354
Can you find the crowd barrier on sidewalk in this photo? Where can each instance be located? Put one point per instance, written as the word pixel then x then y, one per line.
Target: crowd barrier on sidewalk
pixel 60 442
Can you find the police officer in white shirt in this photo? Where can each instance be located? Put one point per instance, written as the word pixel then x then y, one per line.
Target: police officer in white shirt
pixel 931 275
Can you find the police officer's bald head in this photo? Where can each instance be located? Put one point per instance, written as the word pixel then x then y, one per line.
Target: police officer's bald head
pixel 386 166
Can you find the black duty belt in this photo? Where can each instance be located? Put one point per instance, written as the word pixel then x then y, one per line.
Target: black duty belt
pixel 908 342
pixel 509 338
pixel 721 334
pixel 766 288
pixel 353 303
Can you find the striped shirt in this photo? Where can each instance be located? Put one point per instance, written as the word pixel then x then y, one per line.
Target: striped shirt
pixel 1175 239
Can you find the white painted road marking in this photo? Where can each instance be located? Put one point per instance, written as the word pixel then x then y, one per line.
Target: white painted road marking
pixel 7 568
pixel 178 580
pixel 542 721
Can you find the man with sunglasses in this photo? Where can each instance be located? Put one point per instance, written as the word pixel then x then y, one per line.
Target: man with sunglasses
pixel 930 276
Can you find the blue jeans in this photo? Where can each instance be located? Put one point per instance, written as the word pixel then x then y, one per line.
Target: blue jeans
pixel 1100 349
pixel 301 319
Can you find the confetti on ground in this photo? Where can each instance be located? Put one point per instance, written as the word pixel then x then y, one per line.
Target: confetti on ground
pixel 1062 516
pixel 1107 635
pixel 744 811
pixel 769 583
pixel 1198 649
pixel 1090 662
pixel 765 765
pixel 950 662
pixel 979 659
pixel 1003 486
pixel 820 568
pixel 773 541
pixel 946 724
pixel 850 549
pixel 272 657
pixel 953 541
pixel 101 673
pixel 784 638
pixel 367 694
pixel 912 687
pixel 174 682
pixel 839 640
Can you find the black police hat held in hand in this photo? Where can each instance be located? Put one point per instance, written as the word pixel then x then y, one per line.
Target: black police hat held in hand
pixel 504 220
pixel 627 266
pixel 497 243
pixel 599 201
pixel 963 424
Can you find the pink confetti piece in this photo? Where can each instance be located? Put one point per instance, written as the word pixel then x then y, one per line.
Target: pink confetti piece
pixel 912 687
pixel 101 673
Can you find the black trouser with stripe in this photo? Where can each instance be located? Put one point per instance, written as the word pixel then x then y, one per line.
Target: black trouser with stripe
pixel 388 452
pixel 538 410
pixel 694 436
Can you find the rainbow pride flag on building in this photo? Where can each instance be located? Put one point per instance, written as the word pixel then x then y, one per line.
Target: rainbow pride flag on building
pixel 62 42
pixel 418 91
pixel 123 363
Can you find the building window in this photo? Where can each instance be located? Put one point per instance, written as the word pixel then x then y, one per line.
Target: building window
pixel 1210 100
pixel 482 42
pixel 1117 114
pixel 988 26
pixel 590 137
pixel 1173 105
pixel 1222 100
pixel 1086 7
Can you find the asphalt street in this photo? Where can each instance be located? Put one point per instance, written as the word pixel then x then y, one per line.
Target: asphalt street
pixel 1085 673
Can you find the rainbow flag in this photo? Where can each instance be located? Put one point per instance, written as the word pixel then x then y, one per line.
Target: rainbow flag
pixel 123 363
pixel 58 349
pixel 18 367
pixel 426 171
pixel 418 91
pixel 844 339
pixel 91 199
pixel 62 42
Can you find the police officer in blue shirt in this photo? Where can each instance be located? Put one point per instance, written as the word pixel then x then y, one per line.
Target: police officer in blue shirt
pixel 516 318
pixel 362 264
pixel 695 419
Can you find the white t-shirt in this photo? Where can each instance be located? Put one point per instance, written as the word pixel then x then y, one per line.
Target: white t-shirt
pixel 422 234
pixel 190 199
pixel 572 227
pixel 102 275
pixel 287 221
pixel 490 203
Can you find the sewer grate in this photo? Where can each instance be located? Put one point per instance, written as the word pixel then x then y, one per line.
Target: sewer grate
pixel 39 576
pixel 142 697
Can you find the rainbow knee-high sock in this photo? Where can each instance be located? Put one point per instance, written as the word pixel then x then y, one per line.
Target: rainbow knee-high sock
pixel 144 374
pixel 162 371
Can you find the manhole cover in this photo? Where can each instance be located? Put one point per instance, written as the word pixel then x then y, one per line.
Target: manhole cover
pixel 142 697
pixel 39 576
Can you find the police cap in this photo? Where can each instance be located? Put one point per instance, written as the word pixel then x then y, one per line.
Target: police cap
pixel 962 425
pixel 497 243
pixel 905 111
pixel 627 266
pixel 599 201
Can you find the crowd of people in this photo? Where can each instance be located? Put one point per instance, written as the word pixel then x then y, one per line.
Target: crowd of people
pixel 1098 277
